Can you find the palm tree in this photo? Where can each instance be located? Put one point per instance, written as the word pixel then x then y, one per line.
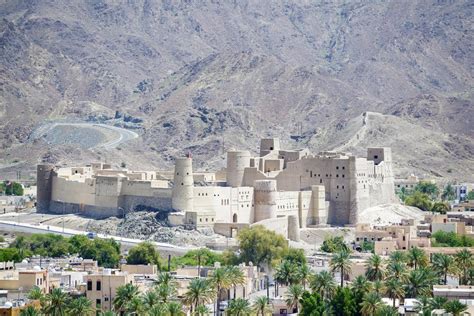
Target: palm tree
pixel 165 292
pixel 361 285
pixel 165 278
pixel 437 302
pixel 417 258
pixel 394 289
pixel 304 274
pixel 201 310
pixel 378 287
pixel 386 310
pixel 464 260
pixel 341 262
pixel 157 310
pixel 398 256
pixel 294 294
pixel 375 270
pixel 125 294
pixel 200 291
pixel 175 309
pixel 35 293
pixel 262 306
pixel 422 306
pixel 236 276
pixel 135 306
pixel 107 313
pixel 286 273
pixel 150 299
pixel 397 270
pixel 29 311
pixel 419 282
pixel 455 307
pixel 323 283
pixel 239 307
pixel 80 306
pixel 221 280
pixel 56 303
pixel 371 303
pixel 443 264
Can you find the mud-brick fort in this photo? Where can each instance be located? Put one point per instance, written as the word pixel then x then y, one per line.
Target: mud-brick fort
pixel 284 190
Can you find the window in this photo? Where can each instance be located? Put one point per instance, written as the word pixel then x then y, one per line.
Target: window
pixel 89 285
pixel 320 180
pixel 97 301
pixel 337 167
pixel 106 299
pixel 98 286
pixel 200 219
pixel 376 157
pixel 207 219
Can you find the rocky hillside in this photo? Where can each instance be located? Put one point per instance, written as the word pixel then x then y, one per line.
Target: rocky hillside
pixel 205 76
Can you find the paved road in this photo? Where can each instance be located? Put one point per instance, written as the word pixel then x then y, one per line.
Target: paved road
pixel 42 229
pixel 123 135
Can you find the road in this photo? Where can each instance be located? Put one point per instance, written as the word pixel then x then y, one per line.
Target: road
pixel 123 135
pixel 11 226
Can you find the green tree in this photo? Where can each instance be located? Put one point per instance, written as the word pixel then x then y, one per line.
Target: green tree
pixel 360 287
pixel 428 188
pixel 464 261
pixel 239 307
pixel 371 304
pixel 440 207
pixel 262 306
pixel 340 261
pixel 451 239
pixel 296 256
pixel 261 246
pixel 375 269
pixel 156 310
pixel 56 303
pixel 312 305
pixel 448 193
pixel 455 307
pixel 200 291
pixel 80 306
pixel 443 265
pixel 334 244
pixel 394 289
pixel 105 251
pixel 125 294
pixel 470 195
pixel 323 283
pixel 12 188
pixel 293 295
pixel 343 303
pixel 144 253
pixel 420 200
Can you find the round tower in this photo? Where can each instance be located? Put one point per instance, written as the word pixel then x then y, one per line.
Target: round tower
pixel 293 228
pixel 265 192
pixel 182 194
pixel 237 161
pixel 44 187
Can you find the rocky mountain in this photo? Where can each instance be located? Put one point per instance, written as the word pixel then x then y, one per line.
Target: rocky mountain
pixel 205 76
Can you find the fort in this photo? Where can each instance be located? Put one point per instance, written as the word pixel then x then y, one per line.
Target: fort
pixel 284 190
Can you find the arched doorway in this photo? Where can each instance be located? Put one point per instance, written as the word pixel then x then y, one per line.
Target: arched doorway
pixel 234 218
